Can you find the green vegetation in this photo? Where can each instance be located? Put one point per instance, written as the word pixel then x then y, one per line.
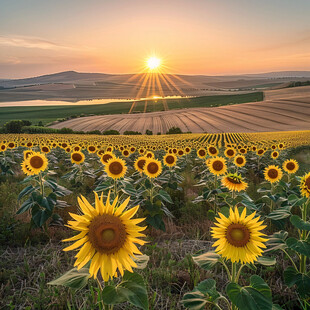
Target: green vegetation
pixel 47 114
pixel 299 83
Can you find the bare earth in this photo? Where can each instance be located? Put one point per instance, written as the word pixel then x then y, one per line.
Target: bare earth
pixel 283 110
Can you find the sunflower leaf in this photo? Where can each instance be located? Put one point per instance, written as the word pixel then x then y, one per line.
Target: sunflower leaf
pixel 300 246
pixel 207 260
pixel 74 278
pixel 302 281
pixel 299 223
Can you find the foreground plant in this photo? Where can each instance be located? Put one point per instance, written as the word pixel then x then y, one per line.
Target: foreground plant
pixel 107 238
pixel 240 241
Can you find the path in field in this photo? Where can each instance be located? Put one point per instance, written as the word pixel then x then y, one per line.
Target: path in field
pixel 283 110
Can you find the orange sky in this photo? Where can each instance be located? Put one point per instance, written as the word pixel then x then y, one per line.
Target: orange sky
pixel 192 37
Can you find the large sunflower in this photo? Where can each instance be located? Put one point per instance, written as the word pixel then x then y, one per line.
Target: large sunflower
pixel 77 158
pixel 234 182
pixel 239 160
pixel 139 163
pixel 305 185
pixel 239 237
pixel 152 168
pixel 170 160
pixel 217 165
pixel 26 169
pixel 116 168
pixel 36 162
pixel 273 173
pixel 290 166
pixel 107 236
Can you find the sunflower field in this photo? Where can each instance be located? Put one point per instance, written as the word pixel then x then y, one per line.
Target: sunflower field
pixel 188 221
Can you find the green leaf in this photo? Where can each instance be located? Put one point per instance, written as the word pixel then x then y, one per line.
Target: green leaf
pixel 294 200
pixel 211 215
pixel 254 297
pixel 163 195
pixel 207 260
pixel 300 246
pixel 277 241
pixel 39 216
pixel 266 261
pixel 194 300
pixel 280 213
pixel 302 281
pixel 25 206
pixel 208 287
pixel 27 190
pixel 133 289
pixel 156 221
pixel 74 278
pixel 112 295
pixel 299 223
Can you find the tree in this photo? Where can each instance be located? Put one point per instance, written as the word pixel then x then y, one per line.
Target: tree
pixel 174 131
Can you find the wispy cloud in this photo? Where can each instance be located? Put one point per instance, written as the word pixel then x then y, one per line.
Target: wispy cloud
pixel 32 42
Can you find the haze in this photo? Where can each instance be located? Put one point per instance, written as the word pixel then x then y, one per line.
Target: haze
pixel 191 37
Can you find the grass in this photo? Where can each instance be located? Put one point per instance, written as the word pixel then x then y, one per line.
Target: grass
pixel 47 114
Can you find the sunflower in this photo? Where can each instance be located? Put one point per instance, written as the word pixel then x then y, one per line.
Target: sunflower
pixel 139 163
pixel 260 152
pixel 106 157
pixel 187 150
pixel 217 165
pixel 116 168
pixel 234 182
pixel 2 147
pixel 239 161
pixel 36 162
pixel 274 155
pixel 238 236
pixel 243 150
pixel 77 157
pixel 11 145
pixel 170 160
pixel 230 152
pixel 201 153
pixel 45 149
pixel 305 185
pixel 180 152
pixel 91 149
pixel 213 151
pixel 273 173
pixel 152 168
pixel 26 169
pixel 125 153
pixel 290 166
pixel 107 237
pixel 27 153
pixel 149 154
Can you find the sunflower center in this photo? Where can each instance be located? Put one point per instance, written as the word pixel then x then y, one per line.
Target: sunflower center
pixel 116 167
pixel 239 160
pixel 106 157
pixel 92 148
pixel 107 233
pixel 152 168
pixel 126 153
pixel 230 152
pixel 242 151
pixel 202 152
pixel 260 152
pixel 141 163
pixel 170 159
pixel 36 162
pixel 77 157
pixel 238 235
pixel 307 182
pixel 290 166
pixel 45 149
pixel 274 154
pixel 212 150
pixel 218 165
pixel 273 173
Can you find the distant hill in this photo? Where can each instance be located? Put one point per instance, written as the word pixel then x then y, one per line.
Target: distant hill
pixel 80 77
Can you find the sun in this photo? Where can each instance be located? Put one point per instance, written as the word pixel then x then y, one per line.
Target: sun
pixel 153 63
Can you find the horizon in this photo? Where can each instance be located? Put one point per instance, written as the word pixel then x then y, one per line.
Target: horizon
pixel 135 73
pixel 190 37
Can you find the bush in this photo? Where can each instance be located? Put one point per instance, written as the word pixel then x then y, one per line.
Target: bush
pixel 111 132
pixel 149 132
pixel 15 126
pixel 65 130
pixel 38 129
pixel 93 132
pixel 174 131
pixel 132 133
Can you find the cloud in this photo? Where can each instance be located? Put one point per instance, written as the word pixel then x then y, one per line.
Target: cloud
pixel 31 42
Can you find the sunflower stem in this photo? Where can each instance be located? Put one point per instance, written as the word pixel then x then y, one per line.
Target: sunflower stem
pixel 303 258
pixel 225 266
pixel 290 258
pixel 233 272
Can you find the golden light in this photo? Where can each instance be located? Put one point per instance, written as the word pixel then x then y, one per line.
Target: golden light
pixel 153 63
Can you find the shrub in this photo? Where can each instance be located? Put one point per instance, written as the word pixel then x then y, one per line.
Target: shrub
pixel 174 131
pixel 132 133
pixel 111 132
pixel 15 126
pixel 149 132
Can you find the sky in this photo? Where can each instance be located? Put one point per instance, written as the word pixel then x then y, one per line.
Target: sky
pixel 211 37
